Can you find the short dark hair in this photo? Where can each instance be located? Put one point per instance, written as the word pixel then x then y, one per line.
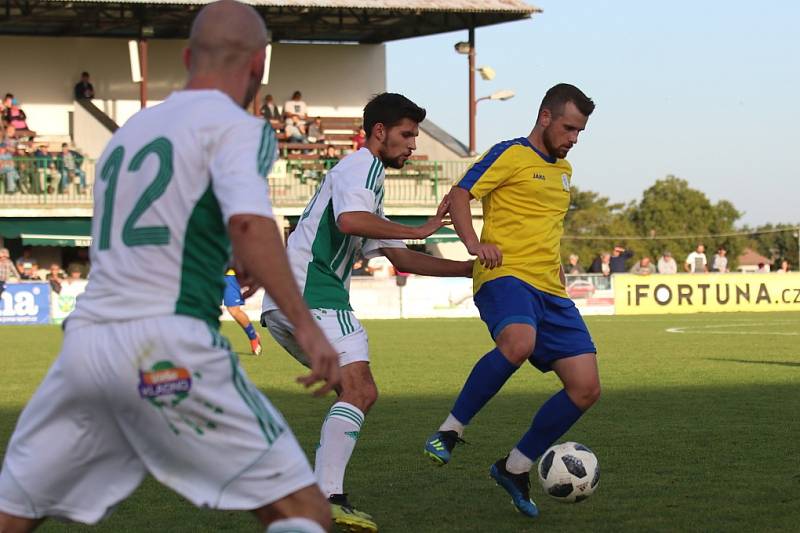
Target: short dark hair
pixel 84 73
pixel 297 94
pixel 389 109
pixel 557 97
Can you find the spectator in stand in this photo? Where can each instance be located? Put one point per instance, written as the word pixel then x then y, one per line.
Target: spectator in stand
pixel 27 257
pixel 618 257
pixel 719 263
pixel 28 273
pixel 763 268
pixel 294 131
pixel 359 140
pixel 572 266
pixel 75 273
pixel 48 175
pixel 55 277
pixel 10 139
pixel 7 269
pixel 296 108
pixel 785 267
pixel 643 267
pixel 15 116
pixel 601 264
pixel 315 133
pixel 331 157
pixel 7 99
pixel 696 262
pixel 270 110
pixel 71 166
pixel 666 264
pixel 84 90
pixel 81 263
pixel 8 170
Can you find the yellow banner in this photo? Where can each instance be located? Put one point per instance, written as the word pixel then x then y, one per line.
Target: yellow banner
pixel 696 293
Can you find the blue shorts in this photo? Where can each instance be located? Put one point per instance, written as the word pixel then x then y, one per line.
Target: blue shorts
pixel 232 297
pixel 560 330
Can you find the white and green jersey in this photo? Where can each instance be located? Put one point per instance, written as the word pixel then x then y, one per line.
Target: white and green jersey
pixel 321 256
pixel 167 184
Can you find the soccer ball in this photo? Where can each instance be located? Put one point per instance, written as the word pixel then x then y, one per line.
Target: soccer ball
pixel 569 472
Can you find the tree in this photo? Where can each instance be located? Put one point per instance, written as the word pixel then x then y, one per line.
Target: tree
pixel 592 216
pixel 671 207
pixel 777 245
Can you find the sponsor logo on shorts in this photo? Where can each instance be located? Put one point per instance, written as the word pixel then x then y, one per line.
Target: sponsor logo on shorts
pixel 164 379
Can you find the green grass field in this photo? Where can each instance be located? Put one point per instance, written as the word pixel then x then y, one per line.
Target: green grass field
pixel 697 430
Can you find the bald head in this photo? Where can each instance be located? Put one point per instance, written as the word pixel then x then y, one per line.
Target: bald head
pixel 225 36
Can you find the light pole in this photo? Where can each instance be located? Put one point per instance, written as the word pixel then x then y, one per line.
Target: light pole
pixel 487 73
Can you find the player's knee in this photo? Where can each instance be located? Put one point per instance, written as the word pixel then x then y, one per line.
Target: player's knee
pixel 369 397
pixel 516 349
pixel 586 395
pixel 363 396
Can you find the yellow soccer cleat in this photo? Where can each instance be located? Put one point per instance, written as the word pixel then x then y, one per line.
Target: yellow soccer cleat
pixel 347 518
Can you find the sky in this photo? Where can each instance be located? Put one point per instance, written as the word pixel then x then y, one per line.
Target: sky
pixel 708 91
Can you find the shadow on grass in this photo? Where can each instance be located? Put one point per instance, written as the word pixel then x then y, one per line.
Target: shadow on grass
pixel 755 362
pixel 673 459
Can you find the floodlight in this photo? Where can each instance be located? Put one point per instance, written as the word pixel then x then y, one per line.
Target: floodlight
pixel 136 69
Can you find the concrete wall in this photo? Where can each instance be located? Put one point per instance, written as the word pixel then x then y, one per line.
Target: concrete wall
pixel 334 79
pixel 89 133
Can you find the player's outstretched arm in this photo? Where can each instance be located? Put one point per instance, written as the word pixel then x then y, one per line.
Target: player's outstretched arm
pixel 372 226
pixel 406 260
pixel 259 252
pixel 489 255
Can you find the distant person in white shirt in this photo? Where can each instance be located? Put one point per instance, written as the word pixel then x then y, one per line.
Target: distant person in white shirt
pixel 719 262
pixel 296 108
pixel 667 264
pixel 696 262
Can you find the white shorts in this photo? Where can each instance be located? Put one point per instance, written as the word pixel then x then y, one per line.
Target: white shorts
pixel 163 395
pixel 342 329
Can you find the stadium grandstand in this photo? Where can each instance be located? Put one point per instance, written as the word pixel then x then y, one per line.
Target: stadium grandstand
pixel 48 168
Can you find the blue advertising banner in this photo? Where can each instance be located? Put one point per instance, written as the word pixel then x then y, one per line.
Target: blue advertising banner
pixel 25 303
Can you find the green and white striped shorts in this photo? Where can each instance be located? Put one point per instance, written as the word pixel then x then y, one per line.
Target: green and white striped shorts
pixel 342 329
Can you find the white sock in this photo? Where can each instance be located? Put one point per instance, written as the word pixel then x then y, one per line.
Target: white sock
pixel 452 424
pixel 338 438
pixel 518 462
pixel 295 525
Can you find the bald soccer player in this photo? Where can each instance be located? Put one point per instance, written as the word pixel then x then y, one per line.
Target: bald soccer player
pixel 145 382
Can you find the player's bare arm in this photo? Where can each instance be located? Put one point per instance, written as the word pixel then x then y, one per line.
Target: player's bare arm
pixel 371 226
pixel 488 254
pixel 406 260
pixel 257 246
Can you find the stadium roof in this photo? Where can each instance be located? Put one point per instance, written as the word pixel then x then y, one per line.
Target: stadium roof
pixel 363 21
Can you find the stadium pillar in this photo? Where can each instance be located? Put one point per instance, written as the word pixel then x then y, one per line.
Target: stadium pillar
pixel 472 103
pixel 143 67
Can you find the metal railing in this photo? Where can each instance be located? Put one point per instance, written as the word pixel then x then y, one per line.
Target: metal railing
pixel 39 181
pixel 44 182
pixel 418 183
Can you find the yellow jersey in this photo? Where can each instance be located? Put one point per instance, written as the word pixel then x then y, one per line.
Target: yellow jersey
pixel 525 196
